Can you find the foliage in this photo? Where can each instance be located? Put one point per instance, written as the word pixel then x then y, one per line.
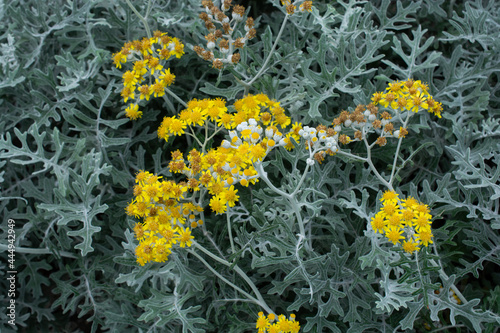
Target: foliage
pixel 299 241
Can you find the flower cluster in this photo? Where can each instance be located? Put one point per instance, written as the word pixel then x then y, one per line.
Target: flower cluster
pixel 291 6
pixel 165 214
pixel 223 37
pixel 167 207
pixel 148 77
pixel 269 324
pixel 401 98
pixel 403 219
pixel 407 95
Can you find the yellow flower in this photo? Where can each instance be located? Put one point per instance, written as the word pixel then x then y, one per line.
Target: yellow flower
pixel 417 101
pixel 118 58
pixel 394 234
pixel 262 323
pixel 185 238
pixel 127 92
pixel 130 78
pixel 158 89
pixel 177 126
pixel 389 196
pixel 166 78
pixel 218 204
pixel 410 246
pixel 424 237
pixel 231 196
pixel 378 223
pixel 133 112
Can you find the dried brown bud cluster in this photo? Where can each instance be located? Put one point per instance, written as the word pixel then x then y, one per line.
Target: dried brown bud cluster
pixel 291 6
pixel 364 119
pixel 222 39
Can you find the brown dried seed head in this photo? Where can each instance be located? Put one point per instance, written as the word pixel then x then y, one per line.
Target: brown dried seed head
pixel 207 55
pixel 321 128
pixel 360 108
pixel 344 139
pixel 239 10
pixel 381 141
pixel 210 26
pixel 386 115
pixel 403 132
pixel 389 128
pixel 319 157
pixel 251 33
pixel 360 118
pixel 239 42
pixel 227 4
pixel 358 135
pixel 235 58
pixel 204 16
pixel 224 44
pixel 217 63
pixel 218 33
pixel 250 22
pixel 372 108
pixel 377 123
pixel 226 27
pixel 199 50
pixel 210 37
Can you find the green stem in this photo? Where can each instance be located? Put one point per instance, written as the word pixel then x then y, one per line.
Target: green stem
pixel 398 148
pixel 263 175
pixel 235 287
pixel 368 160
pixel 260 300
pixel 228 219
pixel 444 276
pixel 291 198
pixel 142 18
pixel 273 48
pixel 177 98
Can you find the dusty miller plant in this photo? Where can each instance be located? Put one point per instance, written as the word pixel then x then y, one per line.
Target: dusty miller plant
pixel 300 240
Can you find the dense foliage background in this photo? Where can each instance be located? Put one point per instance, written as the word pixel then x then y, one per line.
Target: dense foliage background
pixel 68 157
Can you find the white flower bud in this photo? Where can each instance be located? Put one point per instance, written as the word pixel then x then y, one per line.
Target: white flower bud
pixel 372 117
pixel 347 123
pixel 237 17
pixel 226 144
pixel 310 162
pixel 210 45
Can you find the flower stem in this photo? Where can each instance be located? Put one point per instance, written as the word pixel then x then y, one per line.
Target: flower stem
pixel 259 300
pixel 142 18
pixel 177 98
pixel 273 48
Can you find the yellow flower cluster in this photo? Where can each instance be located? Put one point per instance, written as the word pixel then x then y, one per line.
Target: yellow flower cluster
pixel 149 56
pixel 165 214
pixel 233 161
pixel 403 96
pixel 407 95
pixel 269 324
pixel 403 219
pixel 166 206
